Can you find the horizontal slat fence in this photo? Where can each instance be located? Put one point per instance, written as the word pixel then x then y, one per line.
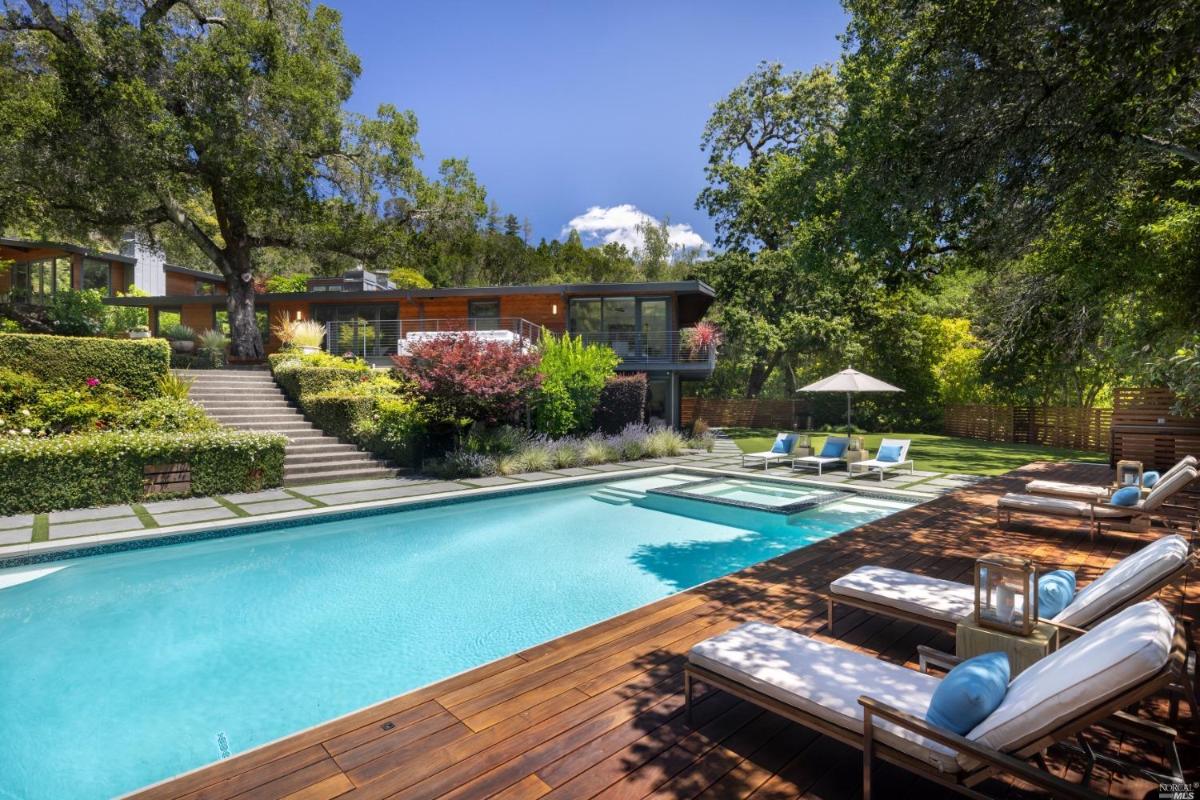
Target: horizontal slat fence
pixel 743 413
pixel 1144 429
pixel 1051 426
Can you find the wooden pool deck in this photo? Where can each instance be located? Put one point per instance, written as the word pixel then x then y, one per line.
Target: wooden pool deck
pixel 598 713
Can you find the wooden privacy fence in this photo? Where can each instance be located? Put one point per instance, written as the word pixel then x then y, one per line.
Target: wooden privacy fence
pixel 1052 426
pixel 1144 429
pixel 743 413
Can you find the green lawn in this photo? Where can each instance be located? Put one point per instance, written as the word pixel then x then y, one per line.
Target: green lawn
pixel 941 453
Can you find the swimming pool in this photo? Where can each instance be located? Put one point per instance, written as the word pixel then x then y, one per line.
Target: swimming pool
pixel 119 670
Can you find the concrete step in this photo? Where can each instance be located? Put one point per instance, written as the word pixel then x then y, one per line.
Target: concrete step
pixel 321 449
pixel 250 416
pixel 264 404
pixel 250 389
pixel 286 428
pixel 345 472
pixel 291 460
pixel 327 466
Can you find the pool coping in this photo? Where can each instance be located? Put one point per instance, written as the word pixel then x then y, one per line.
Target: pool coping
pixel 34 553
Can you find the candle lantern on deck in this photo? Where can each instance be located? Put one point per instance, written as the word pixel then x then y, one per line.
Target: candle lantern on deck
pixel 1129 473
pixel 1006 594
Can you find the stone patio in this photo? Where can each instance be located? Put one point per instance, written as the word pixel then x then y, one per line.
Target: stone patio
pixel 25 528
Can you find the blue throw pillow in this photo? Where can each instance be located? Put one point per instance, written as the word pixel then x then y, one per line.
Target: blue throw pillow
pixel 783 444
pixel 1126 496
pixel 1056 590
pixel 889 452
pixel 969 692
pixel 834 448
pixel 1149 479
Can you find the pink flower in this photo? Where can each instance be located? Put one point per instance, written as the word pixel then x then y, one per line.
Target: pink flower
pixel 93 381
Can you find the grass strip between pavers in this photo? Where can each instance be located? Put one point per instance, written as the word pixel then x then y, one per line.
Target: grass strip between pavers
pixel 144 515
pixel 234 507
pixel 316 503
pixel 41 528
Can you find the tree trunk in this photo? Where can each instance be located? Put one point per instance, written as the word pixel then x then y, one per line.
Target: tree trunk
pixel 246 341
pixel 760 372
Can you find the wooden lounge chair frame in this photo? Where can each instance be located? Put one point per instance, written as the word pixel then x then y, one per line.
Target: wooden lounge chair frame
pixel 991 762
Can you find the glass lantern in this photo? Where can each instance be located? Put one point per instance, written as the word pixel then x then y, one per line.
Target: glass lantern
pixel 1129 473
pixel 1006 594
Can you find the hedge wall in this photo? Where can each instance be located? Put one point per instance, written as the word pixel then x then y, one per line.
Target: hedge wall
pixel 136 364
pixel 336 412
pixel 47 474
pixel 297 382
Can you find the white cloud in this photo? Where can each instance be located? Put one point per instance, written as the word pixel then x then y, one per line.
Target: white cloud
pixel 599 225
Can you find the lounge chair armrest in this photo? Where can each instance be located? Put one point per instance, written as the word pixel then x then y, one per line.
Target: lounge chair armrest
pixel 928 656
pixel 993 758
pixel 1143 728
pixel 1065 631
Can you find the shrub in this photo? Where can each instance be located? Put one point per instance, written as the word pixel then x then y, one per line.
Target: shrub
pixel 630 442
pixel 75 410
pixel 699 427
pixel 596 450
pixel 466 379
pixel 536 458
pixel 465 464
pixel 283 284
pixel 573 375
pixel 133 364
pixel 407 278
pixel 705 441
pixel 173 386
pixel 336 411
pixel 102 468
pixel 212 344
pixel 165 414
pixel 77 313
pixel 565 454
pixel 503 440
pixel 297 332
pixel 622 403
pixel 16 390
pixel 394 429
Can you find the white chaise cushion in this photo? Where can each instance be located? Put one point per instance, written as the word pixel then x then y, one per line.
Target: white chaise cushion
pixel 1112 658
pixel 1128 578
pixel 909 592
pixel 1062 507
pixel 1072 491
pixel 824 680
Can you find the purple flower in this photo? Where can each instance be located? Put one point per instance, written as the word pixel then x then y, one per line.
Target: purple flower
pixel 93 381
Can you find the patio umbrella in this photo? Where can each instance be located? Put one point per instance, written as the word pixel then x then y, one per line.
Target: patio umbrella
pixel 849 381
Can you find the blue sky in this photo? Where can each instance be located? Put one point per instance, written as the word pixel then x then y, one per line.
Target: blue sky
pixel 561 107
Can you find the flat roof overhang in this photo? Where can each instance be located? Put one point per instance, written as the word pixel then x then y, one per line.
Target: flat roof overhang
pixel 28 246
pixel 699 288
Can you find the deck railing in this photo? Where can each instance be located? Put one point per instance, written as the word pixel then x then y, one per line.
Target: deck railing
pixel 650 347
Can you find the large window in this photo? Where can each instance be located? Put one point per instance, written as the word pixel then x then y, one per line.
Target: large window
pixel 364 330
pixel 632 326
pixel 37 281
pixel 484 315
pixel 97 275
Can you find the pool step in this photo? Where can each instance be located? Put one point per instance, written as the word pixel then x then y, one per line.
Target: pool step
pixel 616 496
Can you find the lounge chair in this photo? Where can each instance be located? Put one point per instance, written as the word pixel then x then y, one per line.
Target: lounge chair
pixel 892 454
pixel 1088 492
pixel 783 450
pixel 832 452
pixel 1096 513
pixel 943 604
pixel 880 707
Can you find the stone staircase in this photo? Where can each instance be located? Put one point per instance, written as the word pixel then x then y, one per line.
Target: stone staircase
pixel 249 399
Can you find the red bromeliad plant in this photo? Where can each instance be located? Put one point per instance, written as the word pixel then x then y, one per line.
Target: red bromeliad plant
pixel 470 380
pixel 704 337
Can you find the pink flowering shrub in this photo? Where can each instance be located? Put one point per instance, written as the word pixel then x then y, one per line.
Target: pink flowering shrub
pixel 466 379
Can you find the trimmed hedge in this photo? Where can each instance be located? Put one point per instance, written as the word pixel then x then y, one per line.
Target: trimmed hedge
pixel 47 474
pixel 135 364
pixel 622 402
pixel 297 382
pixel 336 412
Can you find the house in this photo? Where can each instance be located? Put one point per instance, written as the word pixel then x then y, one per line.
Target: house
pixel 366 315
pixel 33 271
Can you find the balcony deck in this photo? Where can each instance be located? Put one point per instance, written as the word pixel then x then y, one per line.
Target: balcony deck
pixel 597 713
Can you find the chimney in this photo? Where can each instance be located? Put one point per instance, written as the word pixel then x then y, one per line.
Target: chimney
pixel 148 272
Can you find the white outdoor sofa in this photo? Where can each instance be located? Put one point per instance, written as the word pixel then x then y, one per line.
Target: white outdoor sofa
pixel 883 466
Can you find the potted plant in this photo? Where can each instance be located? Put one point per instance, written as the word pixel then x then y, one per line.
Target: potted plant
pixel 304 335
pixel 181 337
pixel 139 332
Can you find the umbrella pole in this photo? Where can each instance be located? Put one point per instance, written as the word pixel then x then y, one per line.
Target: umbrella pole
pixel 848 428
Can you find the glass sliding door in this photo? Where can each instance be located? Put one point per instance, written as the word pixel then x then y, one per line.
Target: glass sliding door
pixel 364 330
pixel 636 328
pixel 483 315
pixel 652 325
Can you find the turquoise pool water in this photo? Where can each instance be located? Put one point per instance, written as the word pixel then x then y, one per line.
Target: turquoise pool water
pixel 120 670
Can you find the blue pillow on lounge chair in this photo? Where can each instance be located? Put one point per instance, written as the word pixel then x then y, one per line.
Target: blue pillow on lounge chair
pixel 1149 479
pixel 1126 496
pixel 834 448
pixel 969 693
pixel 1056 590
pixel 783 444
pixel 889 452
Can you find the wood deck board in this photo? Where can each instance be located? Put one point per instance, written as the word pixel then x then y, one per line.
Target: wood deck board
pixel 598 713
